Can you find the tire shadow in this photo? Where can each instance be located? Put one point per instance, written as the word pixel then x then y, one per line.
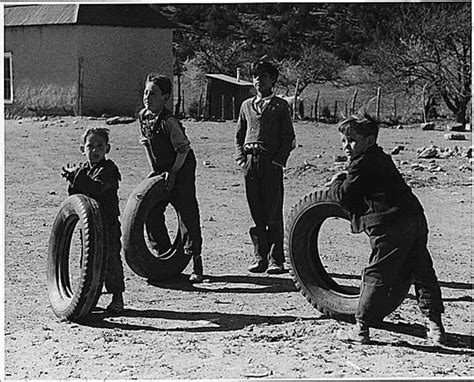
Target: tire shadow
pixel 230 284
pixel 198 322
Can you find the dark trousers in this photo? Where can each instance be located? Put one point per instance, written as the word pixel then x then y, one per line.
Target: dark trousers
pixel 399 251
pixel 264 190
pixel 183 198
pixel 114 280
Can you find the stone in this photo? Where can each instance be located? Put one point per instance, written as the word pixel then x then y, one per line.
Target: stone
pixel 427 126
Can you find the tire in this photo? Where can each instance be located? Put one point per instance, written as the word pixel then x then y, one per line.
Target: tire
pixel 74 303
pixel 308 272
pixel 138 256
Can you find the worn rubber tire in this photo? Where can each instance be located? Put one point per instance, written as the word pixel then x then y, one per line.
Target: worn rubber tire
pixel 309 274
pixel 75 304
pixel 136 252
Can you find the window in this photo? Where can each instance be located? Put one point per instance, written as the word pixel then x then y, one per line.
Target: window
pixel 8 78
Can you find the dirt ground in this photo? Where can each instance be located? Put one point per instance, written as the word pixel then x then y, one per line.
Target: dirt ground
pixel 235 325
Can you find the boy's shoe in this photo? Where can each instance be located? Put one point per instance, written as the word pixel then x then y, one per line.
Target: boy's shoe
pixel 275 269
pixel 117 305
pixel 197 275
pixel 359 334
pixel 435 332
pixel 259 266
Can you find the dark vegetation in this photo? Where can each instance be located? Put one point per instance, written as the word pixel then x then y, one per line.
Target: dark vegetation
pixel 418 50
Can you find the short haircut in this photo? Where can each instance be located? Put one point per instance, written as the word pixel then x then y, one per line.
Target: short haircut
pixel 161 81
pixel 361 124
pixel 264 67
pixel 102 131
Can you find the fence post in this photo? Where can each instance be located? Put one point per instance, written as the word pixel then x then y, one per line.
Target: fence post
pixel 423 102
pixel 335 109
pixel 222 108
pixel 316 108
pixel 354 96
pixel 377 112
pixel 233 109
pixel 295 99
pixel 395 107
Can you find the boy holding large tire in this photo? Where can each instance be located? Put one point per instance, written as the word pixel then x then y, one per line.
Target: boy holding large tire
pixel 173 158
pixel 99 179
pixel 382 205
pixel 264 140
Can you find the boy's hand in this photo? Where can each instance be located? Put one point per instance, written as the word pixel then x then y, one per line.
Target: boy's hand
pixel 69 172
pixel 338 176
pixel 170 179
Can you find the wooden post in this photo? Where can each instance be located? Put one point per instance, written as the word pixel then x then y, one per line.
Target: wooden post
pixel 233 109
pixel 311 112
pixel 316 107
pixel 394 107
pixel 423 103
pixel 377 111
pixel 295 106
pixel 182 110
pixel 222 108
pixel 345 109
pixel 335 109
pixel 200 105
pixel 80 85
pixel 354 96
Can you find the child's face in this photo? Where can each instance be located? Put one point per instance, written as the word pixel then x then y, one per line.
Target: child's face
pixel 95 148
pixel 354 144
pixel 263 83
pixel 153 99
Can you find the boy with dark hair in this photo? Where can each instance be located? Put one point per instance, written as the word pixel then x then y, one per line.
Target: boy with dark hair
pixel 264 140
pixel 383 205
pixel 99 179
pixel 174 159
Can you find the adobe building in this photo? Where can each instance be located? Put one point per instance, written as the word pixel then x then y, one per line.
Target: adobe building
pixel 82 59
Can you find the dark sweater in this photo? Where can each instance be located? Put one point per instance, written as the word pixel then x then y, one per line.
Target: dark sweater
pixel 374 191
pixel 273 128
pixel 99 182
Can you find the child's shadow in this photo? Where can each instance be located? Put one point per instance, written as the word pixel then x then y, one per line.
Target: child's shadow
pixel 230 284
pixel 455 343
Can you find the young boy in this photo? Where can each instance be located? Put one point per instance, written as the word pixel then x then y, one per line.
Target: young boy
pixel 264 140
pixel 99 179
pixel 382 205
pixel 174 159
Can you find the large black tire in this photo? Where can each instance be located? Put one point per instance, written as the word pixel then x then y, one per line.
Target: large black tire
pixel 68 302
pixel 308 272
pixel 138 256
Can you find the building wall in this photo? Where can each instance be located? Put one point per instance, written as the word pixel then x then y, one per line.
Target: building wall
pixel 115 62
pixel 91 70
pixel 44 67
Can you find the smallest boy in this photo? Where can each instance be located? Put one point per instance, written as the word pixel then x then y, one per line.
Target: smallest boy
pixel 99 179
pixel 382 205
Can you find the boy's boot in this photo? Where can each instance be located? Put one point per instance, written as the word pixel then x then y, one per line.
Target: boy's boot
pixel 260 245
pixel 116 305
pixel 435 332
pixel 197 275
pixel 358 334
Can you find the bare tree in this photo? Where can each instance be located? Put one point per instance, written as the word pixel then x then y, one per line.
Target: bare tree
pixel 314 65
pixel 431 48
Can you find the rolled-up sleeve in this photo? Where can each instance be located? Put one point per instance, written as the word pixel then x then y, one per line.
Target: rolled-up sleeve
pixel 178 138
pixel 240 136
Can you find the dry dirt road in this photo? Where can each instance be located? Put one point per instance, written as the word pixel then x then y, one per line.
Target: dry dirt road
pixel 235 325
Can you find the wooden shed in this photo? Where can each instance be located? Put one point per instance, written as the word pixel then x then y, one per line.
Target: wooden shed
pixel 224 95
pixel 83 59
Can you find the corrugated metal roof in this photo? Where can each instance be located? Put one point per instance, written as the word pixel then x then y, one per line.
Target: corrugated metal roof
pixel 18 15
pixel 226 78
pixel 128 15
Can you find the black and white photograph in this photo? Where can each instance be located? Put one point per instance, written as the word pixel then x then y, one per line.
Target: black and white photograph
pixel 237 191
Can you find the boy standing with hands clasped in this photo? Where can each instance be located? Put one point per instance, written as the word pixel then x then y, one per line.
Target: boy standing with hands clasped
pixel 383 205
pixel 174 159
pixel 99 179
pixel 264 140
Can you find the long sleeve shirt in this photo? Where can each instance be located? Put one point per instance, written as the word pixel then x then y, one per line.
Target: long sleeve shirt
pixel 374 191
pixel 272 128
pixel 99 182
